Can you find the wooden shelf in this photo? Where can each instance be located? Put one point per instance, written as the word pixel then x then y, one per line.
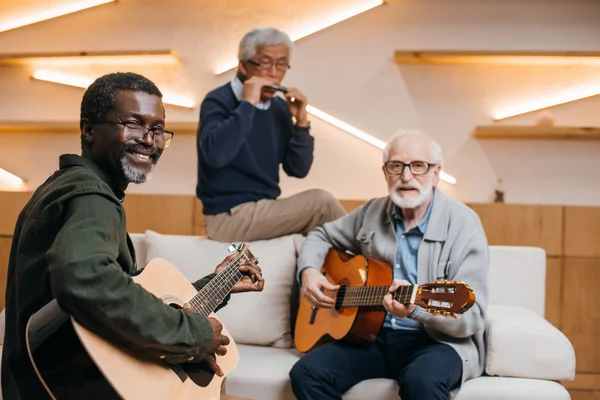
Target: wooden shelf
pixel 160 57
pixel 72 127
pixel 537 132
pixel 561 58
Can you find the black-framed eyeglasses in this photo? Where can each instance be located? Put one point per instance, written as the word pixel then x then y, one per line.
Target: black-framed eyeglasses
pixel 161 136
pixel 268 64
pixel 416 167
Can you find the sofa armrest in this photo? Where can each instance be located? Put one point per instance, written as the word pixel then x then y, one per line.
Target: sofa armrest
pixel 520 343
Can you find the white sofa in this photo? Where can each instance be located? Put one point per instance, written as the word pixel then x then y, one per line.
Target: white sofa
pixel 526 355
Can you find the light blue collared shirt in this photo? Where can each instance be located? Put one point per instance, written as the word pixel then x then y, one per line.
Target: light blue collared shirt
pixel 238 87
pixel 407 249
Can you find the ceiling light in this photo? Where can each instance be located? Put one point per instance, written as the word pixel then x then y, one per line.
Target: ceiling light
pixel 44 12
pixel 361 135
pixel 10 181
pixel 317 24
pixel 84 82
pixel 567 96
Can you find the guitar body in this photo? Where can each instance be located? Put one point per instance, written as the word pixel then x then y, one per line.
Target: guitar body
pixel 126 376
pixel 316 326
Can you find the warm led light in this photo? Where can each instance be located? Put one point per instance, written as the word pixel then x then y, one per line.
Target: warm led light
pixel 45 12
pixel 84 82
pixel 361 135
pixel 10 181
pixel 316 25
pixel 568 96
pixel 348 128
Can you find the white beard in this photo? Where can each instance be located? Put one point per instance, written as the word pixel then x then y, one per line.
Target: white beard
pixel 411 202
pixel 131 175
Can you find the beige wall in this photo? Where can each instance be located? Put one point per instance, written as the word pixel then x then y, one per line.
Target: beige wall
pixel 349 72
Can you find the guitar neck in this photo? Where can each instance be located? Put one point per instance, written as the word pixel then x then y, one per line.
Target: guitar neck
pixel 214 292
pixel 372 296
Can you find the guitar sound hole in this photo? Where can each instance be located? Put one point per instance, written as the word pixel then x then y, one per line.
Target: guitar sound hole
pixel 339 299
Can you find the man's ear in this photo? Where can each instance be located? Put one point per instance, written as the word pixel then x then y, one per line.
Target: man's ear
pixel 87 131
pixel 242 72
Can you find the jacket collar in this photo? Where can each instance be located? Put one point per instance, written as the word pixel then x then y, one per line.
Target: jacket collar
pixel 71 160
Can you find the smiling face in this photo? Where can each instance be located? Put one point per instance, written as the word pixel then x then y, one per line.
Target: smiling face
pixel 409 191
pixel 124 153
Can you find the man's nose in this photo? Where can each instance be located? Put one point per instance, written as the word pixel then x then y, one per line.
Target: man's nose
pixel 406 174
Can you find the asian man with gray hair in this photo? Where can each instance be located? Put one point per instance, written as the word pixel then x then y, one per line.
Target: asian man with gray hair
pixel 246 133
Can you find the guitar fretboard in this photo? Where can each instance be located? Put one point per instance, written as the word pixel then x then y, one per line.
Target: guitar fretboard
pixel 371 296
pixel 215 291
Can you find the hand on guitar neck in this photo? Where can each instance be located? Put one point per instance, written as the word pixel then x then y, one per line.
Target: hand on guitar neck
pixel 317 289
pixel 392 306
pixel 251 281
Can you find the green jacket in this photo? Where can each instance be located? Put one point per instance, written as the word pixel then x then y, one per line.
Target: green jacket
pixel 70 244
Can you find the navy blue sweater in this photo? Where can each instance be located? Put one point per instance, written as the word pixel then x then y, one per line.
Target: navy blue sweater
pixel 240 149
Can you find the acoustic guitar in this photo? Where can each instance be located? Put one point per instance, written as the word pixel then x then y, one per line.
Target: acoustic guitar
pixel 358 313
pixel 74 363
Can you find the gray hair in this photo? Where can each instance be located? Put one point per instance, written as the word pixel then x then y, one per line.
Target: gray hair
pixel 436 150
pixel 259 37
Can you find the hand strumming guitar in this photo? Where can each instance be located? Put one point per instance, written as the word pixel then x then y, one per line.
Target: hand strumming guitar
pixel 217 346
pixel 313 285
pixel 252 281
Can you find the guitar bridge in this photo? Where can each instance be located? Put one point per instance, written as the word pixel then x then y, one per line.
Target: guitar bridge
pixel 313 315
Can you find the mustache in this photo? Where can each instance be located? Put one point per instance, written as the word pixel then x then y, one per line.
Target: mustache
pixel 399 185
pixel 143 149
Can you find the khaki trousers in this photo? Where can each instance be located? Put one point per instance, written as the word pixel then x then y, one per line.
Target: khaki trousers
pixel 267 219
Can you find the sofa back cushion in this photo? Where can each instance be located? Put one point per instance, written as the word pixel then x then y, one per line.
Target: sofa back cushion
pixel 518 277
pixel 258 318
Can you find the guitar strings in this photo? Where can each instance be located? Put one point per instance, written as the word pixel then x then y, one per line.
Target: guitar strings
pixel 205 301
pixel 355 296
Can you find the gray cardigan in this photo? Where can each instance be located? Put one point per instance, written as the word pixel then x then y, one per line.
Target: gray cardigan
pixel 454 247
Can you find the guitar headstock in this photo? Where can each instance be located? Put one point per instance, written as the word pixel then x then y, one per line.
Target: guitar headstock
pixel 244 249
pixel 446 298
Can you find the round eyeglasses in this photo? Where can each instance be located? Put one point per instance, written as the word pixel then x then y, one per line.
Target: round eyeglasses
pixel 161 136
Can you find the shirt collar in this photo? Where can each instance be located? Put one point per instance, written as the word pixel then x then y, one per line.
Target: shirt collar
pixel 421 226
pixel 237 86
pixel 70 160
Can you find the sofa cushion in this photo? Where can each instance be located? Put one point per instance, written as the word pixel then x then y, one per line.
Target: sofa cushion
pixel 500 388
pixel 528 265
pixel 263 373
pixel 520 343
pixel 251 318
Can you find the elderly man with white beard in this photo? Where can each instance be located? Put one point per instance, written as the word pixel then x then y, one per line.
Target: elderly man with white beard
pixel 424 236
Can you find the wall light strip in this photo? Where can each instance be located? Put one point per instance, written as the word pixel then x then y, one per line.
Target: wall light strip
pixel 8 180
pixel 316 26
pixel 84 82
pixel 361 135
pixel 43 13
pixel 567 96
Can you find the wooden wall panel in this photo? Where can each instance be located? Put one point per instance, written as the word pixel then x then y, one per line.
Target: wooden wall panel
pixel 582 231
pixel 167 214
pixel 580 314
pixel 584 382
pixel 11 204
pixel 523 225
pixel 584 395
pixel 351 205
pixel 554 282
pixel 5 244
